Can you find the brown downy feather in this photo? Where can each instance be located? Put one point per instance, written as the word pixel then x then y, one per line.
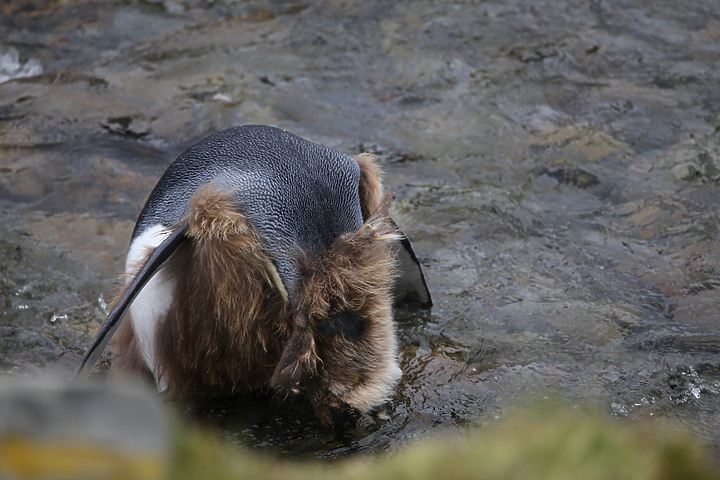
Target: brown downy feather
pixel 228 322
pixel 355 277
pixel 347 275
pixel 298 359
pixel 370 189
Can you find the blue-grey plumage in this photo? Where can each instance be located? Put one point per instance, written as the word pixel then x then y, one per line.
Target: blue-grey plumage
pixel 298 194
pixel 299 228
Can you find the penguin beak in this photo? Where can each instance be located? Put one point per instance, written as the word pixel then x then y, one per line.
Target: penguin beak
pixel 298 358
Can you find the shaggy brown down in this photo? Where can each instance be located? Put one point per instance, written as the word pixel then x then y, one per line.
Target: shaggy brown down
pixel 229 329
pixel 228 323
pixel 354 277
pixel 370 190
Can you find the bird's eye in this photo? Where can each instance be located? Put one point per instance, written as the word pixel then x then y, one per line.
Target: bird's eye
pixel 346 324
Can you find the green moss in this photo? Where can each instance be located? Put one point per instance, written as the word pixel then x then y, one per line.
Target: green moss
pixel 543 442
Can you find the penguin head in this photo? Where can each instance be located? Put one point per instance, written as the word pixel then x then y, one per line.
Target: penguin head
pixel 342 349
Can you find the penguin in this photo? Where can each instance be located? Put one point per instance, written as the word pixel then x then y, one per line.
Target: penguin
pixel 261 259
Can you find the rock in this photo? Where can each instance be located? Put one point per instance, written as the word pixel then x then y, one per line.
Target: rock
pixel 574 176
pixel 50 430
pixel 544 441
pixel 685 171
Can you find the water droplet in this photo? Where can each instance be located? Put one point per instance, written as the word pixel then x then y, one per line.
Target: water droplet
pixel 695 391
pixel 619 409
pixel 57 317
pixel 102 303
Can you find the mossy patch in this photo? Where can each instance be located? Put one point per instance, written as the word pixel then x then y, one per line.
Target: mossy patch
pixel 546 441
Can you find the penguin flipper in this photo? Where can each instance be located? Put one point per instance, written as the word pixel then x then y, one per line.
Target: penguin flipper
pixel 153 263
pixel 410 286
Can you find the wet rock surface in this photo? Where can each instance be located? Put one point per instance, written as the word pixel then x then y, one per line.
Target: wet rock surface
pixel 556 164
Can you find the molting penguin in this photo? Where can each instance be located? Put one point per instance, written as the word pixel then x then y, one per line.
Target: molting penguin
pixel 261 258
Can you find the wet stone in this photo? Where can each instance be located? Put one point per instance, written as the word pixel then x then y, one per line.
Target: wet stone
pixel 576 177
pixel 685 171
pixel 48 430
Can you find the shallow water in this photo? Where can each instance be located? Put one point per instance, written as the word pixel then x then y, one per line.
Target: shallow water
pixel 556 164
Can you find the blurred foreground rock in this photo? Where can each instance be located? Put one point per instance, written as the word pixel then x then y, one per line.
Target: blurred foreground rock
pixel 48 430
pixel 544 441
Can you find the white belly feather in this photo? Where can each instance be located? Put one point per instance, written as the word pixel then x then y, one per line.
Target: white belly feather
pixel 153 302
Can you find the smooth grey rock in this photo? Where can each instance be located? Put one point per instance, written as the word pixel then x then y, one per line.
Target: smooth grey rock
pixel 685 171
pixel 81 431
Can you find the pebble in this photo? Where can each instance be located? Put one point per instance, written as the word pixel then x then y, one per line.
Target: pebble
pixel 685 171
